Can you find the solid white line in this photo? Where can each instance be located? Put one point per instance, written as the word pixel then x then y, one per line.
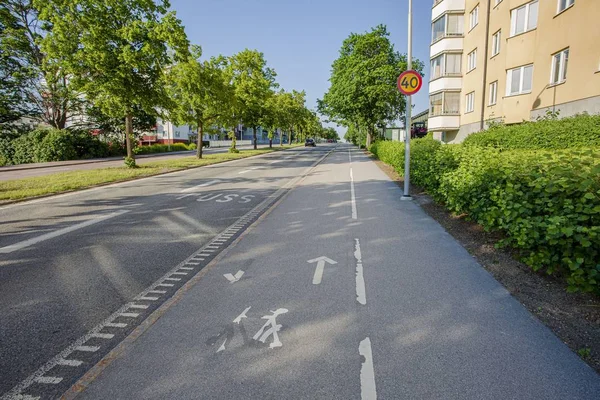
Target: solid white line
pixel 191 189
pixel 103 335
pixel 367 371
pixel 60 232
pixel 361 294
pixel 70 363
pixel 116 325
pixel 53 380
pixel 89 349
pixel 352 195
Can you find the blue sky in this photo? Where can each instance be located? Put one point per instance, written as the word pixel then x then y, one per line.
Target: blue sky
pixel 301 38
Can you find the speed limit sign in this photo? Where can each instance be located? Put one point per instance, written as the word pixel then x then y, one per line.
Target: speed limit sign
pixel 410 82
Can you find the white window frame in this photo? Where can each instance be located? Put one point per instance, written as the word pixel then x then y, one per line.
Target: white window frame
pixel 470 102
pixel 568 4
pixel 474 17
pixel 446 34
pixel 496 2
pixel 521 80
pixel 496 38
pixel 559 60
pixel 472 60
pixel 493 99
pixel 443 110
pixel 513 18
pixel 444 65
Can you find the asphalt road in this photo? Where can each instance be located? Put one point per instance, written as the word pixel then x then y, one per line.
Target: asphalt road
pixel 332 289
pixel 31 170
pixel 68 262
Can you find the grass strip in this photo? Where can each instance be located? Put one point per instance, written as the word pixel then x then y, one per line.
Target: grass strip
pixel 27 188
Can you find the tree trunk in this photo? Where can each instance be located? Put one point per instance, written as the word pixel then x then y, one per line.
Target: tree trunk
pixel 128 134
pixel 200 134
pixel 369 137
pixel 254 137
pixel 281 138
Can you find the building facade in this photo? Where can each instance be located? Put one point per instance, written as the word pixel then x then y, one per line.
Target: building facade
pixel 511 61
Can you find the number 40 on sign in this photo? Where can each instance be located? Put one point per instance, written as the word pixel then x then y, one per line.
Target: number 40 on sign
pixel 410 82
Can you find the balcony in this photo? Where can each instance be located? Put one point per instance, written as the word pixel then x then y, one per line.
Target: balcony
pixel 443 123
pixel 446 82
pixel 442 6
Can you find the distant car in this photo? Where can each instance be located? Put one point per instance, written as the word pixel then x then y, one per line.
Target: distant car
pixel 310 142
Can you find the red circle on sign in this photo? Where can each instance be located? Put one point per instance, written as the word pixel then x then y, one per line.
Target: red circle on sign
pixel 410 82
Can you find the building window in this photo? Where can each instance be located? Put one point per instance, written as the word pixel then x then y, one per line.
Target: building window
pixel 474 18
pixel 470 102
pixel 519 80
pixel 524 18
pixel 564 4
pixel 445 103
pixel 493 93
pixel 447 25
pixel 448 64
pixel 496 43
pixel 472 60
pixel 496 2
pixel 559 67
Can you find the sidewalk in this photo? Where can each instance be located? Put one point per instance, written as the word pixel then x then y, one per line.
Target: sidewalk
pixel 396 310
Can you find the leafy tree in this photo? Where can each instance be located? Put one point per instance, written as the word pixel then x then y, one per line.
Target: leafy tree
pixel 254 83
pixel 330 133
pixel 33 84
pixel 363 82
pixel 142 122
pixel 119 54
pixel 200 93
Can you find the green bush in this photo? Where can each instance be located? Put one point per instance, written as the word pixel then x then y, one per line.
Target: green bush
pixel 574 132
pixel 545 202
pixel 192 146
pixel 88 146
pixel 27 146
pixel 56 146
pixel 163 148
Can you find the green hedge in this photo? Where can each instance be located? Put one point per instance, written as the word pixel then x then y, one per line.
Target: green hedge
pixel 546 203
pixel 163 148
pixel 573 132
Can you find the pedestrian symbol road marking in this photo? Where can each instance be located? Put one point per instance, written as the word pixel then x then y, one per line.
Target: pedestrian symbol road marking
pixel 262 335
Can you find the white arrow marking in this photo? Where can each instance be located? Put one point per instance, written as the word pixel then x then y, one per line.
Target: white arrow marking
pixel 238 319
pixel 320 268
pixel 234 278
pixel 222 346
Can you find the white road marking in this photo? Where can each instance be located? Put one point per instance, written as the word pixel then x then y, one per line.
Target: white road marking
pixel 23 397
pixel 70 363
pixel 172 279
pixel 165 284
pixel 239 318
pixel 180 273
pixel 262 335
pixel 318 277
pixel 234 278
pixel 164 291
pixel 53 380
pixel 367 371
pixel 251 169
pixel 148 298
pixel 222 346
pixel 59 232
pixel 138 306
pixel 349 156
pixel 116 325
pixel 185 268
pixel 103 335
pixel 191 189
pixel 352 195
pixel 361 294
pixel 129 315
pixel 88 349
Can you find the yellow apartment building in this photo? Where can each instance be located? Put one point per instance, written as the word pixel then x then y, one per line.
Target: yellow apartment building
pixel 511 60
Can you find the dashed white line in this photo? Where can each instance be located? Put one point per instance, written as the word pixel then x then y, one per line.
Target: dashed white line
pixel 185 268
pixel 164 291
pixel 70 363
pixel 52 380
pixel 148 298
pixel 165 284
pixel 180 273
pixel 88 349
pixel 172 279
pixel 116 325
pixel 129 315
pixel 361 294
pixel 59 232
pixel 138 306
pixel 368 390
pixel 352 195
pixel 102 335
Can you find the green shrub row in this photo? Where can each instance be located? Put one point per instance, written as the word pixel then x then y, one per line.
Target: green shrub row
pixel 164 148
pixel 43 145
pixel 573 132
pixel 546 203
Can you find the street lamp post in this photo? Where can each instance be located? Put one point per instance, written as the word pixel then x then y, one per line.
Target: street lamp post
pixel 407 125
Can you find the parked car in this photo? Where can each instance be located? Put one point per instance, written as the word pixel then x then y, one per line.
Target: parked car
pixel 310 142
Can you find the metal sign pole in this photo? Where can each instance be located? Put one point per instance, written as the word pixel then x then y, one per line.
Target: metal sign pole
pixel 407 125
